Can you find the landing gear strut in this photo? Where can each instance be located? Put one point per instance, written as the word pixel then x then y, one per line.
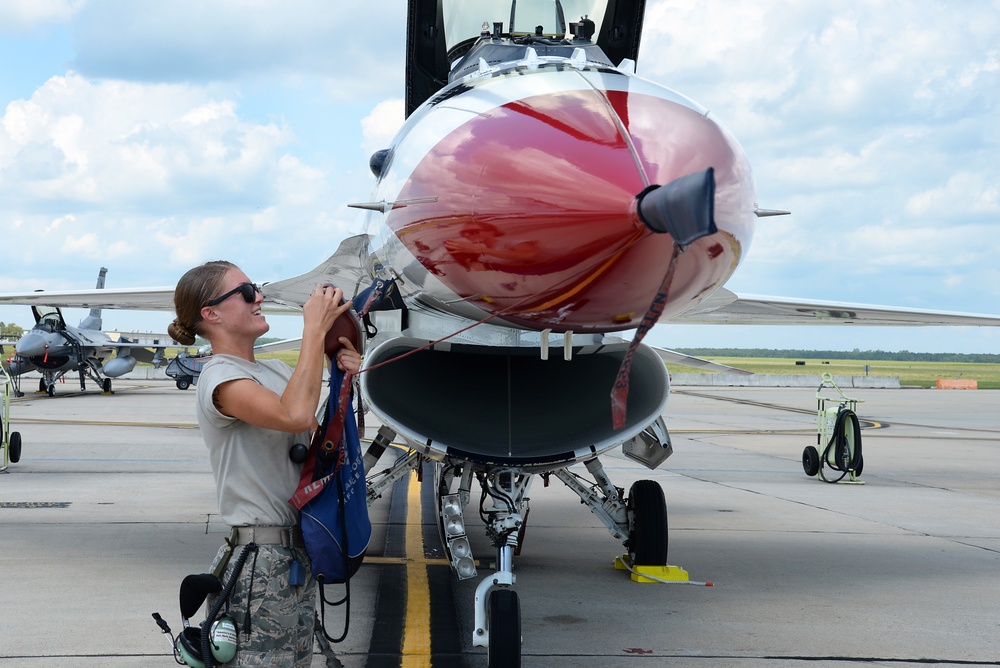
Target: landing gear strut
pixel 499 627
pixel 638 521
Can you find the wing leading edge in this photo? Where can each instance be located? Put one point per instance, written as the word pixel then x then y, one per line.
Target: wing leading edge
pixel 345 269
pixel 726 307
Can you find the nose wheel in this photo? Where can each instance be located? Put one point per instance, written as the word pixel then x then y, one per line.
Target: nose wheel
pixel 505 629
pixel 647 521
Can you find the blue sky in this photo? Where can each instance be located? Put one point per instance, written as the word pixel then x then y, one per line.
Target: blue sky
pixel 149 137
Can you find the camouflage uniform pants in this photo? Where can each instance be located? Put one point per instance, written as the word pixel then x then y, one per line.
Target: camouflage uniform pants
pixel 282 617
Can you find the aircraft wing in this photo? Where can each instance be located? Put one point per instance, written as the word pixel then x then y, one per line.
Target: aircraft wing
pixel 347 269
pixel 672 356
pixel 726 307
pixel 139 299
pixel 278 346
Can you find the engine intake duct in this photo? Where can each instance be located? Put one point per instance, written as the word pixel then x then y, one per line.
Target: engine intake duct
pixel 506 406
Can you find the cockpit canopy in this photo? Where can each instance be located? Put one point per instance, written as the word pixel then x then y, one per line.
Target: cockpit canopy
pixel 442 31
pixel 48 318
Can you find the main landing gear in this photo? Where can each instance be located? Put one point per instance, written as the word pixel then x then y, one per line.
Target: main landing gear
pixel 638 521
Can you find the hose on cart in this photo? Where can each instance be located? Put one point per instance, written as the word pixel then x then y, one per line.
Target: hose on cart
pixel 840 445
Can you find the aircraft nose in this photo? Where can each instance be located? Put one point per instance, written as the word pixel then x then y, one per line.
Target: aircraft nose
pixel 32 344
pixel 545 230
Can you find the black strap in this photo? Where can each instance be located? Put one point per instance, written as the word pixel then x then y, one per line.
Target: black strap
pixel 346 600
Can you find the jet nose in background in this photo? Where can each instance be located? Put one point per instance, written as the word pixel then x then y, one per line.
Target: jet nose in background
pixel 33 344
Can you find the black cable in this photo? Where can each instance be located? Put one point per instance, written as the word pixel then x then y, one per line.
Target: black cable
pixel 220 600
pixel 840 441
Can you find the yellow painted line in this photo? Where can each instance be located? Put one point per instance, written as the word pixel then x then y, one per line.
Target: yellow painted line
pixel 403 561
pixel 417 629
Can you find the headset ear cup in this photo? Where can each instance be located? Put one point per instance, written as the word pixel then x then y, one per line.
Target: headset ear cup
pixel 223 637
pixel 188 645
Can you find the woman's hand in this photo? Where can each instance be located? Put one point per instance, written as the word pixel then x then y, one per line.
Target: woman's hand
pixel 348 359
pixel 322 308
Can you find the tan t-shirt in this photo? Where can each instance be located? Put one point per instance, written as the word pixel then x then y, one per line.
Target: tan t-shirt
pixel 254 477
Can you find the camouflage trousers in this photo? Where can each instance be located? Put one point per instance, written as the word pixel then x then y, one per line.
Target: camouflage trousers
pixel 282 617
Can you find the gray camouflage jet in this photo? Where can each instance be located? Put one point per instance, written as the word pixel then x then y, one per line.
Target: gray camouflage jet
pixel 55 348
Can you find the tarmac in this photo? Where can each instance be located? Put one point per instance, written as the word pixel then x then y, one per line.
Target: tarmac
pixel 113 504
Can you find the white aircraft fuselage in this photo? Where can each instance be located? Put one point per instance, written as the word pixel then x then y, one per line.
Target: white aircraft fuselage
pixel 512 196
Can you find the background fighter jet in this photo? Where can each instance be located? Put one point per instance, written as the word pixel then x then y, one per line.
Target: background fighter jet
pixel 55 348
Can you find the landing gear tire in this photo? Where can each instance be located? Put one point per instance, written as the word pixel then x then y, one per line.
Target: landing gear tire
pixel 51 390
pixel 42 386
pixel 647 521
pixel 183 383
pixel 810 460
pixel 505 629
pixel 106 386
pixel 14 447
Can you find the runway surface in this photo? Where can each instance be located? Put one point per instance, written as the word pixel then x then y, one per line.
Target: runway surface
pixel 113 503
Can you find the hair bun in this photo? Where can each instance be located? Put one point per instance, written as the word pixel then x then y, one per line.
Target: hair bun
pixel 180 333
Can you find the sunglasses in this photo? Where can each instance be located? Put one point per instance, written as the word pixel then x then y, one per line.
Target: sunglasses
pixel 247 290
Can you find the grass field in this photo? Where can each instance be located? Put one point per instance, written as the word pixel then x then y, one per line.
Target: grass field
pixel 911 374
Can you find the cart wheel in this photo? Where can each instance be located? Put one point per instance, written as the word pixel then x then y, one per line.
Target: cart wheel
pixel 14 447
pixel 810 460
pixel 183 383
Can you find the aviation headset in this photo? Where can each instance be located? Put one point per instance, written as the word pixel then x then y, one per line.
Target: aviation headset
pixel 189 647
pixel 221 638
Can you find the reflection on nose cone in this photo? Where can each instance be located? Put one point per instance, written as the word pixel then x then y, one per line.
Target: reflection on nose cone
pixel 33 344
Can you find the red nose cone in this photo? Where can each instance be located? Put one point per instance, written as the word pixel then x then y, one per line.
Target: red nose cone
pixel 534 208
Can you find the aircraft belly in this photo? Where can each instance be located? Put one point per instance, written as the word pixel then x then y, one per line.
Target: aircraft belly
pixel 508 407
pixel 517 202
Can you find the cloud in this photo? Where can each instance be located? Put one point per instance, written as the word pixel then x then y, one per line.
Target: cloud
pixel 380 126
pixel 90 244
pixel 159 171
pixel 24 15
pixel 136 147
pixel 227 40
pixel 965 194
